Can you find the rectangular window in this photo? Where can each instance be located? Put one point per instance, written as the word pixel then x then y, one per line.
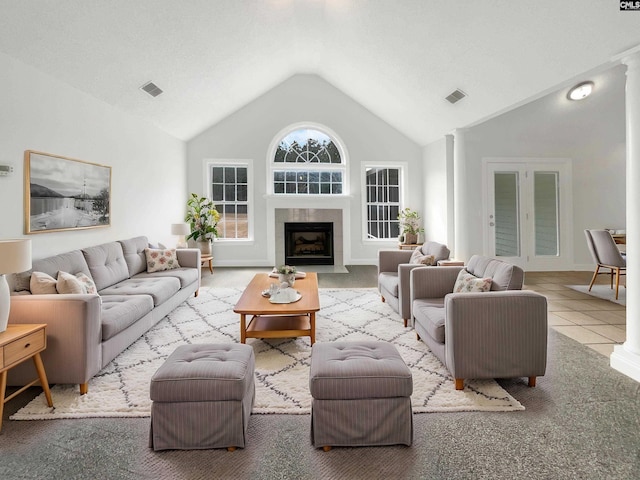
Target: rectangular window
pixel 383 193
pixel 230 194
pixel 302 182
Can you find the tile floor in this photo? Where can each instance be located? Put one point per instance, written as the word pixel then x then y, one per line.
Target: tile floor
pixel 598 324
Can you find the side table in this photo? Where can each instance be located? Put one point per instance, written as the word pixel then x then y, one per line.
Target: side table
pixel 207 259
pixel 450 263
pixel 409 246
pixel 17 344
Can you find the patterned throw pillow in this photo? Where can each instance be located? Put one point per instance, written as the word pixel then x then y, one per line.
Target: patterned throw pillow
pixel 161 259
pixel 89 285
pixel 467 282
pixel 41 283
pixel 68 283
pixel 418 257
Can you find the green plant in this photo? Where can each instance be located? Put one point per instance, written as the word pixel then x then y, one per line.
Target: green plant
pixel 286 269
pixel 202 217
pixel 410 221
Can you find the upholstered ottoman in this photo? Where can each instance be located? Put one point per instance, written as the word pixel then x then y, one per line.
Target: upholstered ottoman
pixel 361 395
pixel 202 397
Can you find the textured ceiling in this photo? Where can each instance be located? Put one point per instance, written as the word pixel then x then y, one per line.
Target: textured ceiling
pixel 398 58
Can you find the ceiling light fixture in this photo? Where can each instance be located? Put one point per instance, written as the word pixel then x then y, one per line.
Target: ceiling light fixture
pixel 580 91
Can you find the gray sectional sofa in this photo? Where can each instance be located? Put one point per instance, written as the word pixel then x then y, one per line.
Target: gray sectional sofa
pixel 86 331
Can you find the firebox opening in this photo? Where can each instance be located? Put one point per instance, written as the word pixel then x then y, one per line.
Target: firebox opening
pixel 308 243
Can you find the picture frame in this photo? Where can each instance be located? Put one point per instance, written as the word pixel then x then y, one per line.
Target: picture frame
pixel 62 193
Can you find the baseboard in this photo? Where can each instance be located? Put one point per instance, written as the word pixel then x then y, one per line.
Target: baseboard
pixel 625 362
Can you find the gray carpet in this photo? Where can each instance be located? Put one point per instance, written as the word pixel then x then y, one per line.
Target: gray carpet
pixel 582 421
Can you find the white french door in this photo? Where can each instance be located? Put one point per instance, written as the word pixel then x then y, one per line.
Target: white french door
pixel 528 212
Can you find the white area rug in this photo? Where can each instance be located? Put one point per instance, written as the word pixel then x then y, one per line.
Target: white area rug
pixel 604 292
pixel 121 389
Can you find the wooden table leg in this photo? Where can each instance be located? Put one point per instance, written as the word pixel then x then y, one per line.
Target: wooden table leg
pixel 312 321
pixel 211 266
pixel 42 375
pixel 3 387
pixel 243 328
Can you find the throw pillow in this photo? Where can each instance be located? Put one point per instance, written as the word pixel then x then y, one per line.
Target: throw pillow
pixel 68 283
pixel 41 283
pixel 88 284
pixel 467 282
pixel 422 259
pixel 161 259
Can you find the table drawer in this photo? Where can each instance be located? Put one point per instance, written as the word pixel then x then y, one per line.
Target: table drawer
pixel 24 347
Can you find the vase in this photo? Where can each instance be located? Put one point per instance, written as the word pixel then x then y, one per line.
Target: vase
pixel 410 238
pixel 205 247
pixel 288 278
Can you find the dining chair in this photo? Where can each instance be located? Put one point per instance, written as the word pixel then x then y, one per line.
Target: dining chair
pixel 606 255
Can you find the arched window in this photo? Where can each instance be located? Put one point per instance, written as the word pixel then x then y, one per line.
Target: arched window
pixel 308 161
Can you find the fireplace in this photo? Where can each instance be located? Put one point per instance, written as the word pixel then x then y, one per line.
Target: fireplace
pixel 308 243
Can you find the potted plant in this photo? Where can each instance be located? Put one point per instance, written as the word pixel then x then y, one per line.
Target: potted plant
pixel 287 274
pixel 410 225
pixel 203 219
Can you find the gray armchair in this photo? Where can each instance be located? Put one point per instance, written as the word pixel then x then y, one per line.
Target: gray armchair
pixel 501 333
pixel 606 255
pixel 393 275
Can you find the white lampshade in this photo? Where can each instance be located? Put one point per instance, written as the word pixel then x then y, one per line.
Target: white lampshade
pixel 15 257
pixel 180 229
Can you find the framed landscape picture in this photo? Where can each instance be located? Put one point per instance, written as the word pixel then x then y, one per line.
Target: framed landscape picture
pixel 65 194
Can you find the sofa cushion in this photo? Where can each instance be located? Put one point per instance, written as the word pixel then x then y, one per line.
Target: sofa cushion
pixel 42 283
pixel 505 276
pixel 161 259
pixel 430 314
pixel 389 281
pixel 72 262
pixel 106 264
pixel 133 250
pixel 159 288
pixel 186 275
pixel 438 250
pixel 68 283
pixel 470 283
pixel 121 311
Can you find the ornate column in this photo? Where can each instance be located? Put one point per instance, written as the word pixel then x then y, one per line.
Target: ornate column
pixel 461 248
pixel 626 357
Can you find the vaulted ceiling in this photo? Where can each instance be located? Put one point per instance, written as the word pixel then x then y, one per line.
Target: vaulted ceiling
pixel 398 58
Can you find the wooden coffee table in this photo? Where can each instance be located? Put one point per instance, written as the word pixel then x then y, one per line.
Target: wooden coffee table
pixel 278 320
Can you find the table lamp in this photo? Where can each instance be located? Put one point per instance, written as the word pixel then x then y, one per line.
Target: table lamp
pixel 180 229
pixel 15 257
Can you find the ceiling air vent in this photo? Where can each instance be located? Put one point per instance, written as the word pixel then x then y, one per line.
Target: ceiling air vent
pixel 152 89
pixel 456 96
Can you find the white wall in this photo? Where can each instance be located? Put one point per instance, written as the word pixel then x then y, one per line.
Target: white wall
pixel 248 133
pixel 38 112
pixel 591 132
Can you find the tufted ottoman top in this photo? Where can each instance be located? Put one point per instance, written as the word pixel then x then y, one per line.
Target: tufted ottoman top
pixel 351 370
pixel 204 372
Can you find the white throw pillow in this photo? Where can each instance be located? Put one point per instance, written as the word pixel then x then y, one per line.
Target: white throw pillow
pixel 161 259
pixel 68 283
pixel 467 282
pixel 42 284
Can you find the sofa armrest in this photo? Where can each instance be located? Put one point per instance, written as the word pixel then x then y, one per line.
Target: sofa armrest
pixel 74 336
pixel 432 282
pixel 499 334
pixel 189 257
pixel 404 288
